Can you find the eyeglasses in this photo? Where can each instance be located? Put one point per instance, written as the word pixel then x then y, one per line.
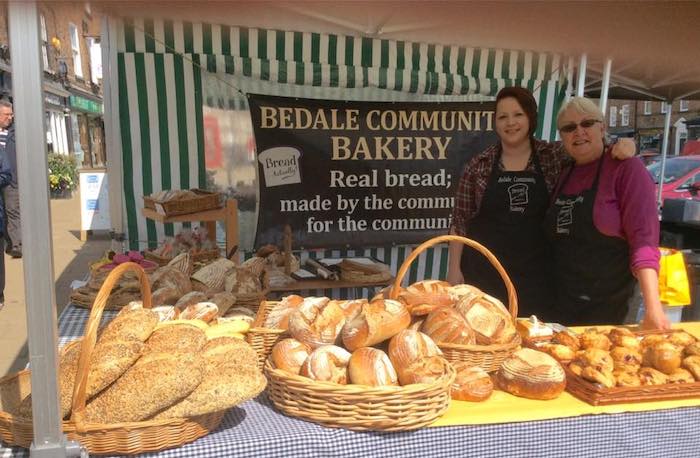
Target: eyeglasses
pixel 586 123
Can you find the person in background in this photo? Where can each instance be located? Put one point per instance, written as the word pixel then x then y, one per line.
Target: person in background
pixel 13 228
pixel 501 202
pixel 604 227
pixel 5 179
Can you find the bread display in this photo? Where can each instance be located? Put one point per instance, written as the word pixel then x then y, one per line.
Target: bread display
pixel 532 374
pixel 425 296
pixel 328 363
pixel 372 367
pixel 471 384
pixel 447 325
pixel 376 322
pixel 289 355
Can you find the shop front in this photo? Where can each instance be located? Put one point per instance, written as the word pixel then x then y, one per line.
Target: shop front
pixel 87 128
pixel 56 118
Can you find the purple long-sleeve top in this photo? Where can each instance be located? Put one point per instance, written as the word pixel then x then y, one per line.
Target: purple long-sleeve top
pixel 625 205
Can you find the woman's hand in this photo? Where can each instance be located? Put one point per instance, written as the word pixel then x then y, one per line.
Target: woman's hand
pixel 655 319
pixel 654 315
pixel 623 149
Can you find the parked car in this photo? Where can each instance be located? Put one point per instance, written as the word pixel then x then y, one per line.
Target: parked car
pixel 681 177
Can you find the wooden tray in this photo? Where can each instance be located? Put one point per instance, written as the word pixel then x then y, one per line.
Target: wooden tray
pixel 597 395
pixel 205 200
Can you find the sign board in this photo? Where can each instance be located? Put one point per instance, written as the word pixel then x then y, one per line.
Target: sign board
pixel 84 104
pixel 94 201
pixel 361 174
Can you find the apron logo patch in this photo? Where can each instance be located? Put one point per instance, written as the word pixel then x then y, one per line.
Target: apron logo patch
pixel 565 218
pixel 518 195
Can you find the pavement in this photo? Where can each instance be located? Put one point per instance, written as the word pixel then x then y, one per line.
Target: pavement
pixel 71 258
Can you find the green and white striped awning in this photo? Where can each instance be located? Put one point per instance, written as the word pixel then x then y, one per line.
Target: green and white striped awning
pixel 161 65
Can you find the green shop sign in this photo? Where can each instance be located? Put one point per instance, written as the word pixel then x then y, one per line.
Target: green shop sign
pixel 84 104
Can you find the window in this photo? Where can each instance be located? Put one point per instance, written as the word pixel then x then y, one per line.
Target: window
pixel 690 181
pixel 75 48
pixel 613 116
pixel 663 107
pixel 647 107
pixel 684 105
pixel 625 115
pixel 44 44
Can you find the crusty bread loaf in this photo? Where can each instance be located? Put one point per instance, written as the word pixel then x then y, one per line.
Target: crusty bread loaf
pixel 170 276
pixel 447 325
pixel 224 301
pixel 532 374
pixel 426 370
pixel 166 312
pixel 132 325
pixel 278 317
pixel 205 311
pixel 176 338
pixel 226 349
pixel 489 319
pixel 422 297
pixel 155 382
pixel 190 298
pixel 167 295
pixel 471 383
pixel 464 292
pixel 289 355
pixel 372 367
pixel 408 347
pixel 377 321
pixel 328 363
pixel 318 321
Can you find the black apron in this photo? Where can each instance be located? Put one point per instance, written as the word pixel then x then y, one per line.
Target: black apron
pixel 509 224
pixel 593 278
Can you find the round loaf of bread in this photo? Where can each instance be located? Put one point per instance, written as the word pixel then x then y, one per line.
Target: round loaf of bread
pixel 489 319
pixel 425 296
pixel 447 325
pixel 532 374
pixel 464 292
pixel 377 321
pixel 472 383
pixel 278 316
pixel 372 367
pixel 317 321
pixel 289 355
pixel 328 363
pixel 426 370
pixel 408 347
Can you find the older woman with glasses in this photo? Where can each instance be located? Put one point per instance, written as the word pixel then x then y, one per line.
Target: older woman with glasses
pixel 501 202
pixel 604 228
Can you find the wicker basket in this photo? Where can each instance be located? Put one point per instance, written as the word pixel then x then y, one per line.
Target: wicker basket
pixel 118 438
pixel 359 407
pixel 262 339
pixel 488 357
pixel 200 256
pixel 205 200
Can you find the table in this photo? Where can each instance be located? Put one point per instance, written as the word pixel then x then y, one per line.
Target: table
pixel 255 429
pixel 322 285
pixel 227 213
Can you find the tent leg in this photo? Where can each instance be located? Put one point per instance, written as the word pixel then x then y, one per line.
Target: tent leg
pixel 603 104
pixel 581 83
pixel 664 151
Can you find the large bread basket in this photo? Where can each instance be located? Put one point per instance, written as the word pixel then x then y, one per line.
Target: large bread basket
pixel 488 357
pixel 358 407
pixel 118 438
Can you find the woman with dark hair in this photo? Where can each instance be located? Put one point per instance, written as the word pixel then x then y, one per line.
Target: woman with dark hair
pixel 501 201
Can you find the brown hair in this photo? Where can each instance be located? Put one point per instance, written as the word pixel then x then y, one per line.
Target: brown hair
pixel 525 100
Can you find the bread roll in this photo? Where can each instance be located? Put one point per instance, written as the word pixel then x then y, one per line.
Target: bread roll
pixel 426 370
pixel 565 338
pixel 597 358
pixel 532 374
pixel 378 321
pixel 592 339
pixel 289 355
pixel 663 356
pixel 623 378
pixel 155 382
pixel 425 296
pixel 472 383
pixel 328 363
pixel 447 325
pixel 604 378
pixel 278 317
pixel 692 349
pixel 650 376
pixel 623 337
pixel 318 321
pixel 166 313
pixel 681 339
pixel 488 318
pixel 692 363
pixel 408 347
pixel 681 376
pixel 626 359
pixel 558 351
pixel 372 367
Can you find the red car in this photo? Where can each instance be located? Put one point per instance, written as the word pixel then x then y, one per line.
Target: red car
pixel 681 177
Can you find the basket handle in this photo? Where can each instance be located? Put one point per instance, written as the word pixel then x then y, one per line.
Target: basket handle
pixel 90 334
pixel 512 297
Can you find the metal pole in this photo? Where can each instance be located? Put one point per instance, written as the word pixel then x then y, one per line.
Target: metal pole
pixel 606 85
pixel 664 151
pixel 36 230
pixel 581 83
pixel 569 81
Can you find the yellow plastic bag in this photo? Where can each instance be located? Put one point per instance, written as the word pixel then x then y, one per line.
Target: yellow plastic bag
pixel 673 278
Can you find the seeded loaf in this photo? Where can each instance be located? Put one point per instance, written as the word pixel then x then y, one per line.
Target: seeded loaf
pixel 176 338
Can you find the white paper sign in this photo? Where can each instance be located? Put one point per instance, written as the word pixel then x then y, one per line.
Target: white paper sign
pixel 94 201
pixel 281 166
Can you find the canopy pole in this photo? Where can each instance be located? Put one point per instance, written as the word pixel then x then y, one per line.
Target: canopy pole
pixel 603 103
pixel 580 85
pixel 664 151
pixel 40 294
pixel 569 81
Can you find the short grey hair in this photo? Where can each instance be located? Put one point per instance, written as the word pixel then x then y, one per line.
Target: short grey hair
pixel 5 103
pixel 582 105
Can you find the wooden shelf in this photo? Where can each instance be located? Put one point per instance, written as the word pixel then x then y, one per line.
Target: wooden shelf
pixel 228 214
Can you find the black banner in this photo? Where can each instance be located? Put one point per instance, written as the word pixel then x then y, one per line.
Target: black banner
pixel 361 174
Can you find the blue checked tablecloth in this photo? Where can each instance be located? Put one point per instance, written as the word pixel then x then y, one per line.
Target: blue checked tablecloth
pixel 255 429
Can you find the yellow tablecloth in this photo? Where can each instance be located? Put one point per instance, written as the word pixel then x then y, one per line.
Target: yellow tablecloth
pixel 502 407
